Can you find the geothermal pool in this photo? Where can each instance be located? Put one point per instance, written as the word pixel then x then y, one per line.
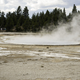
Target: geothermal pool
pixel 20 39
pixel 35 39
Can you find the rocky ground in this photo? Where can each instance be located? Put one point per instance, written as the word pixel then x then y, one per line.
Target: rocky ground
pixel 26 62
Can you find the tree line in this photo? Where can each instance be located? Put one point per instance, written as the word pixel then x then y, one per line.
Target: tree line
pixel 19 20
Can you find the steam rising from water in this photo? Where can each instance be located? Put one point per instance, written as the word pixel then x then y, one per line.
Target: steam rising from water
pixel 64 34
pixel 69 32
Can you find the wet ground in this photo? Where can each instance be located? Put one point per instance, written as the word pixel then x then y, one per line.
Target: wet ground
pixel 39 62
pixel 21 62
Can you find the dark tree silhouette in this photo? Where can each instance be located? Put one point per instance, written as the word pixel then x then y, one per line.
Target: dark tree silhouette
pixel 20 21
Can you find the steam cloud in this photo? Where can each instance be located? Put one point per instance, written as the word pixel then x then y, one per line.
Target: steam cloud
pixel 68 33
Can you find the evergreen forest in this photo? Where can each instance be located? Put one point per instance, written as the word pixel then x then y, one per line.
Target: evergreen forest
pixel 19 20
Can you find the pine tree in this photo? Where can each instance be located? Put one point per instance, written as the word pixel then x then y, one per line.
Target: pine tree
pixel 69 17
pixel 74 10
pixel 9 24
pixel 26 12
pixel 14 18
pixel 41 20
pixel 56 16
pixel 19 12
pixel 26 25
pixel 47 17
pixel 64 15
pixel 3 20
pixel 8 14
pixel 60 15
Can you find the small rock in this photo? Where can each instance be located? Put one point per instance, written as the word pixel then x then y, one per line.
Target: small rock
pixel 42 66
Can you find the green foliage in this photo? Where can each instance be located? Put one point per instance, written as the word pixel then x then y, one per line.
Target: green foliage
pixel 19 12
pixel 64 15
pixel 25 12
pixel 20 21
pixel 74 10
pixel 9 24
pixel 2 19
pixel 26 25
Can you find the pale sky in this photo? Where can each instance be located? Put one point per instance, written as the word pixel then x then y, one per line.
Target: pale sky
pixel 35 6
